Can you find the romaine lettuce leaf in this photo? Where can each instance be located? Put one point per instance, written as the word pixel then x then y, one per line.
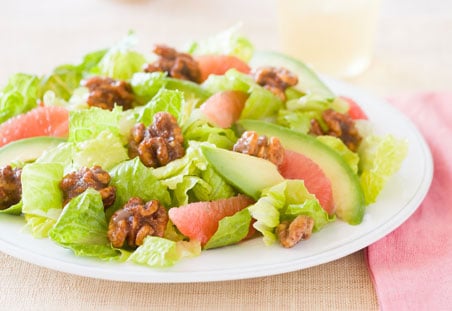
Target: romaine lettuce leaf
pixel 380 158
pixel 15 209
pixel 201 130
pixel 62 81
pixel 191 178
pixel 231 230
pixel 42 198
pixel 132 179
pixel 285 201
pixel 160 252
pixel 106 150
pixel 228 42
pixel 121 61
pixel 146 85
pixel 82 227
pixel 165 100
pixel 41 193
pixel 89 123
pixel 18 96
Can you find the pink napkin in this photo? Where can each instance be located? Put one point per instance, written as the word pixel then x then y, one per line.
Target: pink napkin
pixel 411 267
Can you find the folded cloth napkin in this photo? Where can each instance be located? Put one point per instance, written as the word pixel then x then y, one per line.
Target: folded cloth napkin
pixel 411 268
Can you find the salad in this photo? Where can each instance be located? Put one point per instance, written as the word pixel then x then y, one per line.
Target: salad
pixel 153 157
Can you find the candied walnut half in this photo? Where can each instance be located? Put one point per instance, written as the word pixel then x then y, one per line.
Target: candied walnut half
pixel 276 80
pixel 10 186
pixel 160 143
pixel 135 221
pixel 77 182
pixel 176 64
pixel 290 233
pixel 339 125
pixel 105 92
pixel 260 146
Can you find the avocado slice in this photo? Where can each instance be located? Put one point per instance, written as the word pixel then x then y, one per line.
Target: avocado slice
pixel 27 149
pixel 347 192
pixel 247 173
pixel 308 81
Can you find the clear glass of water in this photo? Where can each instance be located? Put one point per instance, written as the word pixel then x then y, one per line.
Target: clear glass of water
pixel 335 37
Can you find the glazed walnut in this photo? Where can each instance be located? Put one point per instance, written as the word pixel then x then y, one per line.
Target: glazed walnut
pixel 339 125
pixel 160 143
pixel 175 64
pixel 260 146
pixel 290 233
pixel 276 80
pixel 135 221
pixel 105 92
pixel 77 182
pixel 10 186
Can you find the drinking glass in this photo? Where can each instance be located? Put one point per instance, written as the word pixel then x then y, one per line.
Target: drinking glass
pixel 335 37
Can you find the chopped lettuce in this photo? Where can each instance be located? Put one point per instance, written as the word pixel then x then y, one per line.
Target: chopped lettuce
pixel 62 82
pixel 285 201
pixel 121 61
pixel 191 178
pixel 146 85
pixel 82 227
pixel 380 158
pixel 132 179
pixel 87 153
pixel 171 101
pixel 18 96
pixel 41 193
pixel 228 42
pixel 89 123
pixel 201 130
pixel 15 209
pixel 231 230
pixel 160 252
pixel 42 198
pixel 261 103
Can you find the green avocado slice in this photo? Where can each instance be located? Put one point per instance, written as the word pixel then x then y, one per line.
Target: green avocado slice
pixel 347 192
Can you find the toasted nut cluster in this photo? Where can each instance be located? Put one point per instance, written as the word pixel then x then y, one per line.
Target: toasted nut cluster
pixel 339 125
pixel 135 221
pixel 177 65
pixel 10 186
pixel 260 146
pixel 160 143
pixel 290 233
pixel 105 92
pixel 276 80
pixel 77 182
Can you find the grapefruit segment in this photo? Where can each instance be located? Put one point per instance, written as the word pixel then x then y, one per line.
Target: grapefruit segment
pixel 224 108
pixel 354 111
pixel 40 121
pixel 298 166
pixel 219 64
pixel 199 220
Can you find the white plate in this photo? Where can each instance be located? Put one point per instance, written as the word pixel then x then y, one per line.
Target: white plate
pixel 397 202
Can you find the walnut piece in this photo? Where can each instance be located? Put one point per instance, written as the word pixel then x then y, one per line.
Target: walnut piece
pixel 10 186
pixel 290 233
pixel 160 143
pixel 135 221
pixel 340 125
pixel 105 92
pixel 260 146
pixel 276 80
pixel 175 64
pixel 77 182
